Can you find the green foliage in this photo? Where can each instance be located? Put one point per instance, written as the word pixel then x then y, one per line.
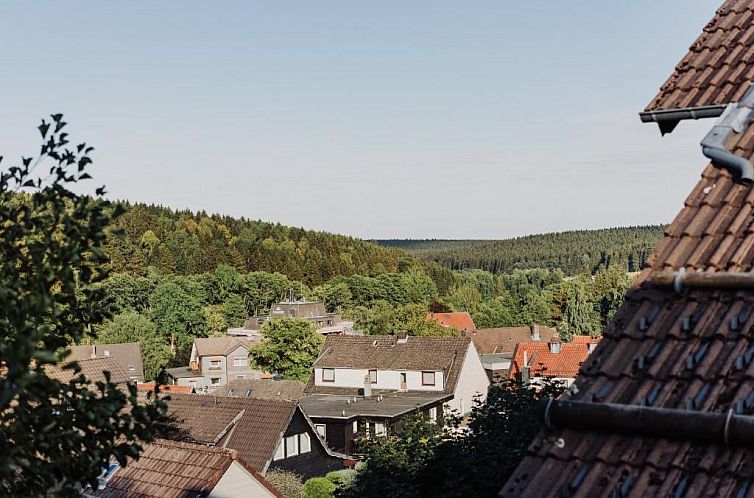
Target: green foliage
pixel 423 458
pixel 288 483
pixel 289 347
pixel 178 315
pixel 319 487
pixel 130 326
pixel 574 252
pixel 56 436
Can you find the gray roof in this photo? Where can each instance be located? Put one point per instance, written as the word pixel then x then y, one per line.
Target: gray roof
pixel 125 355
pixel 262 389
pixel 219 346
pixel 93 369
pixel 183 373
pixel 388 405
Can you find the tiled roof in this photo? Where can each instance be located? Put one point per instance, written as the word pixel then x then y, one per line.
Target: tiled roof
pixel 504 339
pixel 250 426
pixel 124 355
pixel 384 352
pixel 719 66
pixel 459 320
pixel 585 339
pixel 168 469
pixel 220 346
pixel 543 363
pixel 263 389
pixel 93 370
pixel 687 351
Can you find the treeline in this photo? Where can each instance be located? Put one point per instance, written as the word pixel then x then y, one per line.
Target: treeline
pixel 187 243
pixel 573 252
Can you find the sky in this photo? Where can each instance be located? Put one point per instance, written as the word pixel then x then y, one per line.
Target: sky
pixel 391 119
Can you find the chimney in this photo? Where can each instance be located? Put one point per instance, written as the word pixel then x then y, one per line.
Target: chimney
pixel 534 332
pixel 402 337
pixel 555 345
pixel 367 386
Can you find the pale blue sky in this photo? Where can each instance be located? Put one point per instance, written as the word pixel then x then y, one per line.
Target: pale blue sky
pixel 438 119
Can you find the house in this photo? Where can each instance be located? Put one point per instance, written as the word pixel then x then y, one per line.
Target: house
pixel 126 355
pixel 290 390
pixel 314 312
pixel 496 346
pixel 555 360
pixel 214 361
pixel 169 469
pixel 677 357
pixel 459 320
pixel 267 434
pixel 93 369
pixel 370 382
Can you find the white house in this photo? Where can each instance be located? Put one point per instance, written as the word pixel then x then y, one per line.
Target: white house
pixel 369 382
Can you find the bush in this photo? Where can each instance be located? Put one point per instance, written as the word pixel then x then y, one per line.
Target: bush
pixel 319 487
pixel 288 483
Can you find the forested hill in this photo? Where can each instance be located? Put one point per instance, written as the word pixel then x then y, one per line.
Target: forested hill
pixel 187 243
pixel 573 252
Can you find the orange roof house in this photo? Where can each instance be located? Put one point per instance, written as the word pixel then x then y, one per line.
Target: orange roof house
pixel 459 320
pixel 664 405
pixel 553 359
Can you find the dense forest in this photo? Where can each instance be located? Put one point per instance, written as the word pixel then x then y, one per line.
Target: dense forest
pixel 177 275
pixel 573 252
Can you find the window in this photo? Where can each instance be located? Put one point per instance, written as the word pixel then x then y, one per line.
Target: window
pixel 304 443
pixel 291 446
pixel 433 414
pixel 373 376
pixel 428 378
pixel 214 364
pixel 321 430
pixel 355 426
pixel 231 392
pixel 107 353
pixel 328 375
pixel 215 380
pixel 248 393
pixel 329 322
pixel 240 376
pixel 379 429
pixel 279 452
pixel 239 362
pixel 131 368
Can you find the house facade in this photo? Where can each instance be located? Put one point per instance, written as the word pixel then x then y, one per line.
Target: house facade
pixel 215 361
pixel 368 383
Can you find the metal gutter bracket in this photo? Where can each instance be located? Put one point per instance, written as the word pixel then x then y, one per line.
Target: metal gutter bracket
pixel 735 119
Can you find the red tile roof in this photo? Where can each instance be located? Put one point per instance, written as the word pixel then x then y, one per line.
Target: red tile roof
pixel 585 339
pixel 690 351
pixel 719 66
pixel 459 320
pixel 543 363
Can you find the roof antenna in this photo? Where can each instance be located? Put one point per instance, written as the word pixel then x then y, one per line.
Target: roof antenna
pixel 735 119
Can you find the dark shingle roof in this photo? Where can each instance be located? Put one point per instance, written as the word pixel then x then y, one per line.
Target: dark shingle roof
pixel 719 66
pixel 221 346
pixel 504 339
pixel 384 352
pixel 664 349
pixel 124 355
pixel 250 426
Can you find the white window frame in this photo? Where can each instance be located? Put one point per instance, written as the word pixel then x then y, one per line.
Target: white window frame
pixel 291 446
pixel 373 379
pixel 279 451
pixel 330 371
pixel 380 429
pixel 239 362
pixel 433 414
pixel 131 368
pixel 304 443
pixel 321 430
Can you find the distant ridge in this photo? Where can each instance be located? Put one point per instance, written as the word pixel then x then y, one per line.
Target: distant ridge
pixel 575 251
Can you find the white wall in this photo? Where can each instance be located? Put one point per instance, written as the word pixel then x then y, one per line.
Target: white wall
pixel 386 379
pixel 471 381
pixel 237 482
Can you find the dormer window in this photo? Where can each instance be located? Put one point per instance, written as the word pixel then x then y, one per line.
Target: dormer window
pixel 107 353
pixel 131 368
pixel 555 347
pixel 428 378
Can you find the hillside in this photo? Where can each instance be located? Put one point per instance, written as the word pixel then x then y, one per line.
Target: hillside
pixel 572 252
pixel 188 243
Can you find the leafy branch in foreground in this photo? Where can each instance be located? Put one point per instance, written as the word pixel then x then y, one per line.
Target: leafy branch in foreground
pixel 57 436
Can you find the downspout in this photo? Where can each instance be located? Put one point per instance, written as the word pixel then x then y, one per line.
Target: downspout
pixel 735 119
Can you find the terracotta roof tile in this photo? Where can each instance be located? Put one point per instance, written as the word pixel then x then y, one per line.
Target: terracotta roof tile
pixel 543 363
pixel 459 320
